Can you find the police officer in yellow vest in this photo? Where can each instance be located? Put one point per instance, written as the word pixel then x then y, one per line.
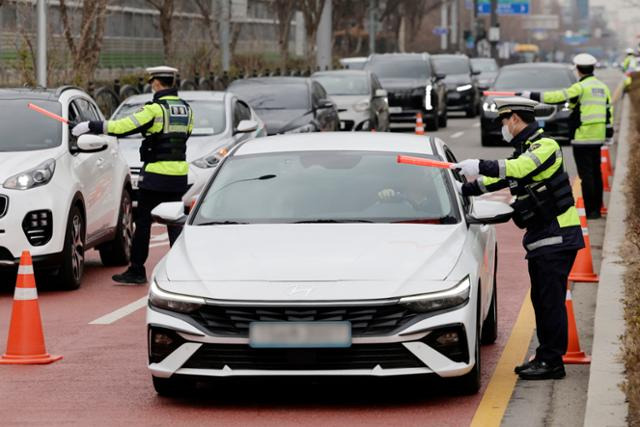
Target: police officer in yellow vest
pixel 629 65
pixel 544 206
pixel 166 124
pixel 592 122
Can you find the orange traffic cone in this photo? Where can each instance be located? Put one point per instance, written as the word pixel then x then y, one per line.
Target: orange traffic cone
pixel 605 175
pixel 574 354
pixel 25 345
pixel 605 157
pixel 419 124
pixel 582 270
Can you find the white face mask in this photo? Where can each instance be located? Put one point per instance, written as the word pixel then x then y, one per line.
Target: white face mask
pixel 506 134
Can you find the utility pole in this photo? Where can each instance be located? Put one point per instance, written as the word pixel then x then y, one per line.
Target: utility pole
pixel 454 24
pixel 444 20
pixel 494 30
pixel 323 37
pixel 474 27
pixel 372 25
pixel 225 48
pixel 41 62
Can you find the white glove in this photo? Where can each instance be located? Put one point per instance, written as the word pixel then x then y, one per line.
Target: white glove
pixel 386 195
pixel 80 129
pixel 458 186
pixel 525 94
pixel 469 167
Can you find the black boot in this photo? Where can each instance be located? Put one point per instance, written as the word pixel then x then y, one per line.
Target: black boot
pixel 541 370
pixel 525 365
pixel 133 276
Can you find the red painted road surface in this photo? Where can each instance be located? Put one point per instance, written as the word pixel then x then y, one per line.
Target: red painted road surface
pixel 103 378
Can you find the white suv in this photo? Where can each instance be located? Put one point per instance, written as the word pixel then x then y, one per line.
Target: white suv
pixel 60 195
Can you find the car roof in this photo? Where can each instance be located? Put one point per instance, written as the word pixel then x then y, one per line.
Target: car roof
pixel 187 95
pixel 338 141
pixel 424 56
pixel 537 65
pixel 341 72
pixel 450 55
pixel 29 93
pixel 272 80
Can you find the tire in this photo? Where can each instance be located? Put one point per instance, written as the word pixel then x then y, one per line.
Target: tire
pixel 431 125
pixel 442 120
pixel 118 251
pixel 490 324
pixel 107 100
pixel 70 274
pixel 128 90
pixel 470 383
pixel 173 387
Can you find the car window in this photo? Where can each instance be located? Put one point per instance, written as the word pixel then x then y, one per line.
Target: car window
pixel 24 129
pixel 541 78
pixel 451 65
pixel 484 65
pixel 400 68
pixel 272 95
pixel 376 83
pixel 326 186
pixel 84 109
pixel 344 84
pixel 318 93
pixel 241 112
pixel 458 176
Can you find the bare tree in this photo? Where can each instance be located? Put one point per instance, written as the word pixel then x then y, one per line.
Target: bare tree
pixel 284 10
pixel 166 9
pixel 312 10
pixel 212 25
pixel 85 49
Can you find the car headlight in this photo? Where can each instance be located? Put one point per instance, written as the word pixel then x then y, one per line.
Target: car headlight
pixel 211 160
pixel 309 127
pixel 490 106
pixel 566 106
pixel 40 175
pixel 427 97
pixel 464 88
pixel 173 302
pixel 455 296
pixel 361 106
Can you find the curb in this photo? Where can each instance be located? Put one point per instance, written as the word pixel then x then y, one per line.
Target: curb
pixel 606 402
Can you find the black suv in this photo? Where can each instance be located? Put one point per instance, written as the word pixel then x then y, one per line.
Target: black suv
pixel 412 87
pixel 462 86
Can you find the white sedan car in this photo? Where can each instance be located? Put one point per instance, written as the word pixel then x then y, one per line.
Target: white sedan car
pixel 60 195
pixel 319 254
pixel 221 121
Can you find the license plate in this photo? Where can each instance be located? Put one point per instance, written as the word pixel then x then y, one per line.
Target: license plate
pixel 541 123
pixel 395 109
pixel 300 334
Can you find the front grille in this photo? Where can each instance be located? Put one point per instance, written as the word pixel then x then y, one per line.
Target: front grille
pixel 4 205
pixel 38 227
pixel 361 356
pixel 365 320
pixel 413 98
pixel 5 255
pixel 347 124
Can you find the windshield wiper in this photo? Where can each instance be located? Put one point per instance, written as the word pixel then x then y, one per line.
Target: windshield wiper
pixel 222 223
pixel 330 221
pixel 449 219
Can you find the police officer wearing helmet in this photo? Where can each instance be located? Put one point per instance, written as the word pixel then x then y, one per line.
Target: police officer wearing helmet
pixel 166 123
pixel 629 65
pixel 592 122
pixel 544 206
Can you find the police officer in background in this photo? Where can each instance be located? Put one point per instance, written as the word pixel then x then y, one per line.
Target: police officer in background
pixel 166 123
pixel 544 206
pixel 629 65
pixel 592 123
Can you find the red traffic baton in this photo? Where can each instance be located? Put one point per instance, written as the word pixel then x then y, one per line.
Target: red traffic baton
pixel 419 161
pixel 498 93
pixel 47 113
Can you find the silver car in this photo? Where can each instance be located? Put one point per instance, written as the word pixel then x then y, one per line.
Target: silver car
pixel 362 103
pixel 221 121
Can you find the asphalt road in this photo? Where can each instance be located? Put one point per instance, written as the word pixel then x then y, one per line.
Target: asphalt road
pixel 103 378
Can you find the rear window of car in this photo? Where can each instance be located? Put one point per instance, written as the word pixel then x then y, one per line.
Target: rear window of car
pixel 451 65
pixel 484 65
pixel 26 130
pixel 533 78
pixel 400 68
pixel 343 84
pixel 273 96
pixel 326 186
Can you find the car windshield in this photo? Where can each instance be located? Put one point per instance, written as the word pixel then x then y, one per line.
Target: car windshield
pixel 343 84
pixel 26 130
pixel 451 65
pixel 325 187
pixel 398 68
pixel 533 78
pixel 484 65
pixel 208 115
pixel 273 96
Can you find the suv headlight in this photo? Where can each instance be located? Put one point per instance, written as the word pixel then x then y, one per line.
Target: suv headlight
pixel 309 127
pixel 361 106
pixel 40 175
pixel 490 106
pixel 173 302
pixel 464 88
pixel 455 296
pixel 211 160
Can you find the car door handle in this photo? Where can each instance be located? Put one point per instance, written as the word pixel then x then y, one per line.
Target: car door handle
pixel 100 162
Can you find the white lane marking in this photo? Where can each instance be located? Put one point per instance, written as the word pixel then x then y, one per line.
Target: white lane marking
pixel 476 125
pixel 118 314
pixel 457 135
pixel 160 237
pixel 155 245
pixel 157 225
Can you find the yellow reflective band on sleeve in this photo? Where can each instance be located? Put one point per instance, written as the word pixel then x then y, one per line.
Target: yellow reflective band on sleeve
pixel 171 168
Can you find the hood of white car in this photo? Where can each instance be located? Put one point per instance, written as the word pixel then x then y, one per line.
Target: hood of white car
pixel 312 261
pixel 347 101
pixel 14 162
pixel 197 147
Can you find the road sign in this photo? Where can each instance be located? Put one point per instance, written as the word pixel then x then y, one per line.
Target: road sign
pixel 505 7
pixel 440 31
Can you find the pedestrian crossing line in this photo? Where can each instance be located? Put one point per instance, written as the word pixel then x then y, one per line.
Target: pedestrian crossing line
pixel 500 388
pixel 118 314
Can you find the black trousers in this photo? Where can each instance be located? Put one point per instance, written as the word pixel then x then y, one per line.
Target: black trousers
pixel 549 274
pixel 147 200
pixel 588 162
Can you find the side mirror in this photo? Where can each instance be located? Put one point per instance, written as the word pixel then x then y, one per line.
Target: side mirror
pixel 170 213
pixel 476 72
pixel 543 110
pixel 489 212
pixel 440 76
pixel 89 143
pixel 381 93
pixel 246 126
pixel 325 103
